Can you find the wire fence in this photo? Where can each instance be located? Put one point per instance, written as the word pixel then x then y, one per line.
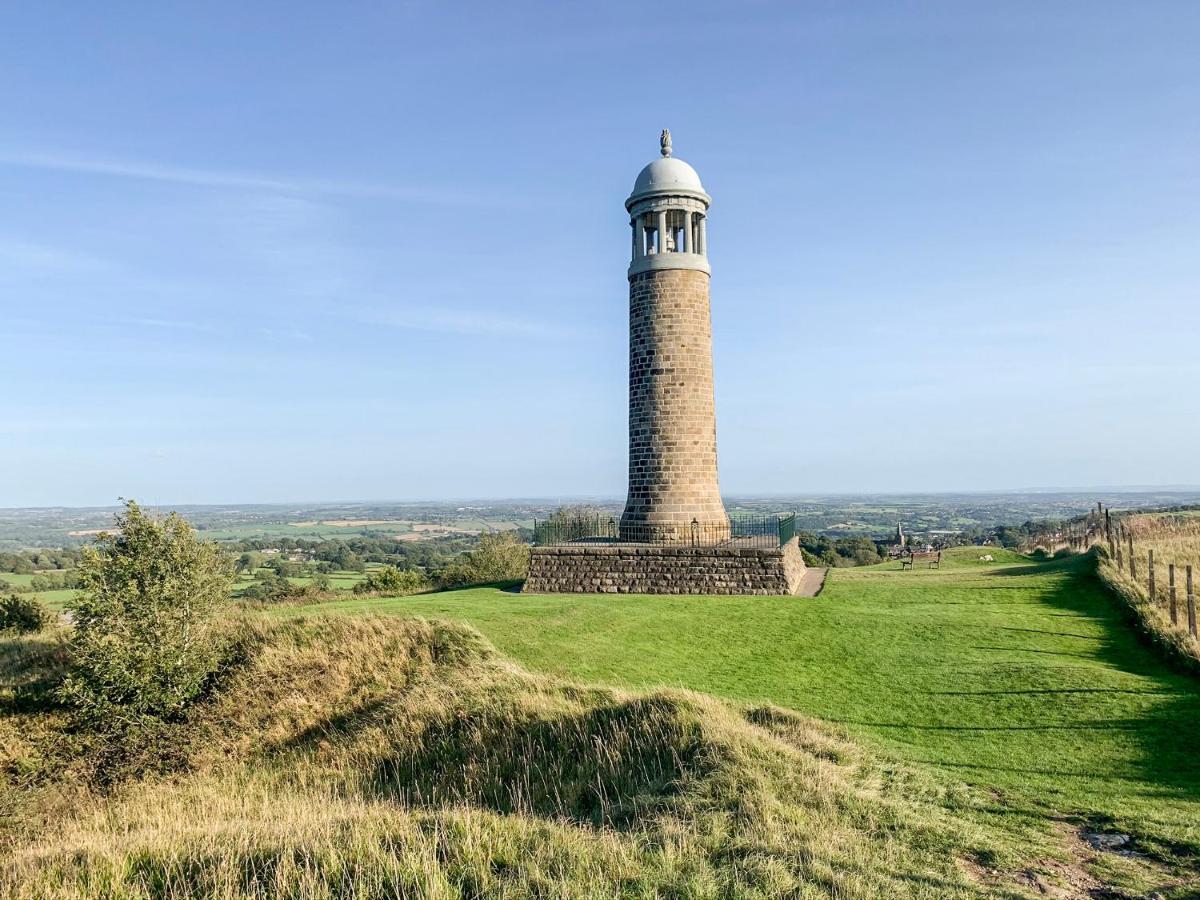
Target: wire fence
pixel 742 531
pixel 1159 553
pixel 1168 579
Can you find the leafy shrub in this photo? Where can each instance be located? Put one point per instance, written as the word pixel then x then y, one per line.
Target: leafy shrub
pixel 54 581
pixel 146 639
pixel 268 586
pixel 390 580
pixel 500 556
pixel 23 614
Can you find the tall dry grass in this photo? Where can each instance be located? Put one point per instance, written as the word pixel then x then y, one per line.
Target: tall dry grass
pixel 373 758
pixel 1174 539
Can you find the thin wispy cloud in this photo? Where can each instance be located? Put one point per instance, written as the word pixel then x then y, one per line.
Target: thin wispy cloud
pixel 174 324
pixel 462 321
pixel 218 178
pixel 287 336
pixel 28 255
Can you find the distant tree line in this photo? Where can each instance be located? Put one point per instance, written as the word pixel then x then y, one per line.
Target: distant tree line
pixel 25 562
pixel 43 581
pixel 353 553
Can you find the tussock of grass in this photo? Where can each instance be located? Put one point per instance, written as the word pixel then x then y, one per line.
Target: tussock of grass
pixel 385 757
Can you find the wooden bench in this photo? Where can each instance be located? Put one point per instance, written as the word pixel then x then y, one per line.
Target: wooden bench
pixel 933 557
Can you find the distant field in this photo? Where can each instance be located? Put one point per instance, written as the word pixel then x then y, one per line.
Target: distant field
pixel 319 530
pixel 56 600
pixel 17 580
pixel 337 580
pixel 1017 676
pixel 53 599
pixel 342 528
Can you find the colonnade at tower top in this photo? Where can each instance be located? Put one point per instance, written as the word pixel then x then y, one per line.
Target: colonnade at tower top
pixel 668 216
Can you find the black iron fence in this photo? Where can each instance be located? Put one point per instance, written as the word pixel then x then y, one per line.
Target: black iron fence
pixel 742 531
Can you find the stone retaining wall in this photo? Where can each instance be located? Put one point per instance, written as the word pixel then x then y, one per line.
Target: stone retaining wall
pixel 645 569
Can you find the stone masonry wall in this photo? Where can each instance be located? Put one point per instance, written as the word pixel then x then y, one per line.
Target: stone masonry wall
pixel 643 569
pixel 672 420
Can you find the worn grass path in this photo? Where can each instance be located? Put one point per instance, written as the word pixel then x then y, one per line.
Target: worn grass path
pixel 1017 676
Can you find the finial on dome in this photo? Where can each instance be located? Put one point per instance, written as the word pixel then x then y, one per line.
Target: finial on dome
pixel 664 141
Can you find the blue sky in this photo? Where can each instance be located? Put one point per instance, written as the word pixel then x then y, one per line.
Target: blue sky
pixel 301 251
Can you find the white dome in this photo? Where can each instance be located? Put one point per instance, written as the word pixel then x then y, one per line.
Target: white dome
pixel 667 174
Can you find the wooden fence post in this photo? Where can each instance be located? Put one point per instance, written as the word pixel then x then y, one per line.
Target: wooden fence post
pixel 1150 573
pixel 1171 593
pixel 1132 567
pixel 1108 532
pixel 1120 562
pixel 1191 601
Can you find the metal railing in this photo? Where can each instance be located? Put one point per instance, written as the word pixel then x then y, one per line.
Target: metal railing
pixel 746 531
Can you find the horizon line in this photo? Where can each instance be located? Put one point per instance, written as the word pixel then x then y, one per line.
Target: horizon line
pixel 613 498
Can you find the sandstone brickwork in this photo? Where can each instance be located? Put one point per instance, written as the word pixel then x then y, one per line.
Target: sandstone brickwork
pixel 672 420
pixel 664 569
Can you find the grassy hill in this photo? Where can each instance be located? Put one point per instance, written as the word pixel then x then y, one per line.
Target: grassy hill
pixel 982 720
pixel 385 757
pixel 1019 677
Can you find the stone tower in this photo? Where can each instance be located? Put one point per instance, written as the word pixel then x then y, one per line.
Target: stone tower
pixel 672 419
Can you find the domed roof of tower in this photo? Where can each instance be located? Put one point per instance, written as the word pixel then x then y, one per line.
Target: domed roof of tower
pixel 667 174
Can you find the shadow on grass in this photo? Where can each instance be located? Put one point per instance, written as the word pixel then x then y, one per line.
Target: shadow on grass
pixel 1085 637
pixel 1168 733
pixel 1033 691
pixel 1076 563
pixel 509 587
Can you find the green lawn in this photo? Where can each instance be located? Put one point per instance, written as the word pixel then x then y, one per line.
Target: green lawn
pixel 56 600
pixel 53 599
pixel 1013 675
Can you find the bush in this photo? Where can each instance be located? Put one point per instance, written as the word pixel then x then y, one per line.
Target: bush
pixel 390 580
pixel 23 614
pixel 500 556
pixel 146 639
pixel 268 586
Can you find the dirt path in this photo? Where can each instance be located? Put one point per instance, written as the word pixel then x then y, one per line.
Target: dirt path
pixel 812 582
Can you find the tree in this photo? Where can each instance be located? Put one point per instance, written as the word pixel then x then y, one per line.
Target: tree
pixel 147 639
pixel 500 556
pixel 268 585
pixel 23 614
pixel 390 580
pixel 248 561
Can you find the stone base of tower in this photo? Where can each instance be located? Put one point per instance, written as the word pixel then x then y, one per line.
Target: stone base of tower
pixel 620 568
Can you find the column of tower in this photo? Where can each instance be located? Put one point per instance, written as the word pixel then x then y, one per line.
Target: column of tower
pixel 673 489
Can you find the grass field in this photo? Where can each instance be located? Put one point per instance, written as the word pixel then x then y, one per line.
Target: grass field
pixel 1016 676
pixel 382 757
pixel 17 579
pixel 53 599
